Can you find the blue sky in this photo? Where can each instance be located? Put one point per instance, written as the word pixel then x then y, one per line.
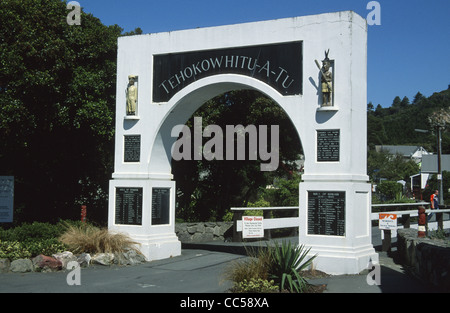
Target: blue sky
pixel 408 53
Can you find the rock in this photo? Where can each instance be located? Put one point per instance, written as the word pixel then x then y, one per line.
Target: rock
pixel 129 257
pixel 198 237
pixel 64 257
pixel 103 258
pixel 182 227
pixel 185 237
pixel 226 228
pixel 46 263
pixel 21 266
pixel 84 259
pixel 4 265
pixel 216 231
pixel 201 228
pixel 192 229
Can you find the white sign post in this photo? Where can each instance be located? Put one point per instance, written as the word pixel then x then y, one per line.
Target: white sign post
pixel 388 221
pixel 252 227
pixel 6 199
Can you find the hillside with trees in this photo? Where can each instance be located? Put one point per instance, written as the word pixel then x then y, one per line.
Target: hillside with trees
pixel 395 125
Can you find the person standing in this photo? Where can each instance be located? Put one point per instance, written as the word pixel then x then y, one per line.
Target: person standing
pixel 434 202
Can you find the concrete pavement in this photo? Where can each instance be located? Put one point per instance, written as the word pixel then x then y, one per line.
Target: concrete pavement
pixel 196 271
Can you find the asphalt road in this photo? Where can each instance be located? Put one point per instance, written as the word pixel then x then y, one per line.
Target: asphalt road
pixel 199 270
pixel 195 271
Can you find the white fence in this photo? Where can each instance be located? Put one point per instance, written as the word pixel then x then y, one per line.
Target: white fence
pixel 286 222
pixel 270 223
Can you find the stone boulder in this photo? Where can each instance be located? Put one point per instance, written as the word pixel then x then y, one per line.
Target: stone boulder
pixel 21 266
pixel 64 257
pixel 4 265
pixel 46 263
pixel 84 259
pixel 129 257
pixel 103 258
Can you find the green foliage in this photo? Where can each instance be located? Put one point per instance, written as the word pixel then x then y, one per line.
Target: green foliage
pixel 395 125
pixel 260 203
pixel 208 189
pixel 433 185
pixel 14 250
pixel 253 268
pixel 388 190
pixel 390 167
pixel 438 234
pixel 281 263
pixel 57 100
pixel 30 240
pixel 255 286
pixel 32 232
pixel 284 191
pixel 287 263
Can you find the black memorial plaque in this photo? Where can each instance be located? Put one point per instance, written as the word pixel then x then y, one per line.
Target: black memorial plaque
pixel 160 206
pixel 128 206
pixel 328 145
pixel 326 213
pixel 132 148
pixel 278 65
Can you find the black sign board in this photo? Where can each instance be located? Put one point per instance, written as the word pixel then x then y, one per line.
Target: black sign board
pixel 160 206
pixel 128 206
pixel 279 65
pixel 326 213
pixel 132 148
pixel 328 145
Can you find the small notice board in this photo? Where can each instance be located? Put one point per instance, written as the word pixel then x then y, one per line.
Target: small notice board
pixel 252 227
pixel 6 199
pixel 388 221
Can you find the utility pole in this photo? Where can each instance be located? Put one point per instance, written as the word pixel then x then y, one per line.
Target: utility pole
pixel 439 119
pixel 439 175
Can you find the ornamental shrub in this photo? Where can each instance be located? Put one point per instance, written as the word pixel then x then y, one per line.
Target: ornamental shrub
pixel 255 286
pixel 30 240
pixel 32 232
pixel 287 263
pixel 13 250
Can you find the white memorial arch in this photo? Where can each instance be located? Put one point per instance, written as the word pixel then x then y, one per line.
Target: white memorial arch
pixel 172 74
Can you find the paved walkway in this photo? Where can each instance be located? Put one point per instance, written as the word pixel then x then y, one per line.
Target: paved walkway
pixel 394 278
pixel 199 269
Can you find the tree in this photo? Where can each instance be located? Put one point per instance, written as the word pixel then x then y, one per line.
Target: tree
pixel 388 190
pixel 418 97
pixel 405 102
pixel 57 87
pixel 382 165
